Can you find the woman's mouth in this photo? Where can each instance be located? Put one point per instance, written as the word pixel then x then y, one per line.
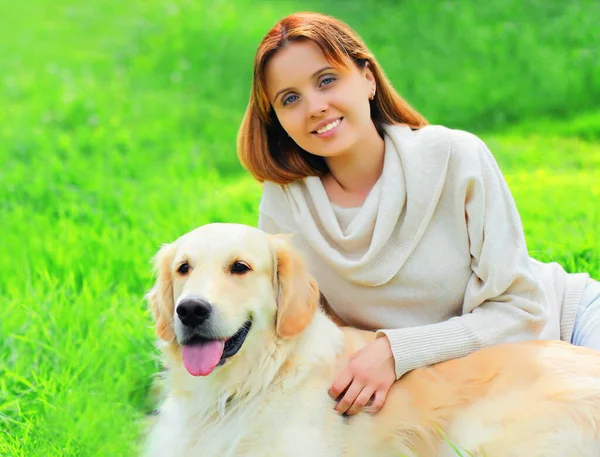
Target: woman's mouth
pixel 328 129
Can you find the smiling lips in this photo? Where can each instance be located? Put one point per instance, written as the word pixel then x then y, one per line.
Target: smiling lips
pixel 327 128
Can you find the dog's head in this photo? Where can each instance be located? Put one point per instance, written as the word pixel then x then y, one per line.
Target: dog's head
pixel 223 286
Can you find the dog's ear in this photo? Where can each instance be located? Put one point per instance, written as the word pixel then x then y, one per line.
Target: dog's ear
pixel 298 295
pixel 160 297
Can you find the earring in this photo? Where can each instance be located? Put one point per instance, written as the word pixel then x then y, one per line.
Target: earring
pixel 372 95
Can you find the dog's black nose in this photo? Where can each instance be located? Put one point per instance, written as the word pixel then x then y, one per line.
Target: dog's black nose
pixel 193 312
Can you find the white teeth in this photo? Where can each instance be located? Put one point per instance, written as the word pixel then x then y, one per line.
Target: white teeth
pixel 328 127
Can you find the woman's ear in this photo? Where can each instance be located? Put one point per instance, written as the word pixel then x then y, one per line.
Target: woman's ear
pixel 160 297
pixel 298 295
pixel 370 81
pixel 369 73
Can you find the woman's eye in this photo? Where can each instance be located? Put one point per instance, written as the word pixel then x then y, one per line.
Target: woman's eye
pixel 327 80
pixel 184 268
pixel 239 268
pixel 290 99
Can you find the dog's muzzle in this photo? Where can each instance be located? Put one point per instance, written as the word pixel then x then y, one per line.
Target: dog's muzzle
pixel 193 312
pixel 202 353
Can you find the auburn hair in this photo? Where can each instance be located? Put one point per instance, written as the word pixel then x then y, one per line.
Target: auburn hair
pixel 264 148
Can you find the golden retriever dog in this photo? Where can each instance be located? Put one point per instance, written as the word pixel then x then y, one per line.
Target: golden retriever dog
pixel 251 355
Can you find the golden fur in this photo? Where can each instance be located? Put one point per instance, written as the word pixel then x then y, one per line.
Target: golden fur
pixel 528 399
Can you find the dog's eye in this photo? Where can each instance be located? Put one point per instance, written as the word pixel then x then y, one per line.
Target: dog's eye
pixel 239 268
pixel 184 268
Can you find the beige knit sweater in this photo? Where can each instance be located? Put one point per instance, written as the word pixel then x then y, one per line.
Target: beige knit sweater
pixel 435 258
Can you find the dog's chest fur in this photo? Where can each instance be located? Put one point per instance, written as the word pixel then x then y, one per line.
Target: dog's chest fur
pixel 283 419
pixel 265 427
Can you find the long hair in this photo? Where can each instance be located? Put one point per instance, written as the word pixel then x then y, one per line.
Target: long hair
pixel 264 148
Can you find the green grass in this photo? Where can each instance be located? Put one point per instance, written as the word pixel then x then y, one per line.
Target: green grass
pixel 117 133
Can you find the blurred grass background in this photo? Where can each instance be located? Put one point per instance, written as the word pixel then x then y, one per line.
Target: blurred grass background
pixel 117 133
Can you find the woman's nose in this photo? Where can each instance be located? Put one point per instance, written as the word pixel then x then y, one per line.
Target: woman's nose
pixel 317 105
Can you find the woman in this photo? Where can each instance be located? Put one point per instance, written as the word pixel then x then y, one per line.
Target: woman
pixel 409 229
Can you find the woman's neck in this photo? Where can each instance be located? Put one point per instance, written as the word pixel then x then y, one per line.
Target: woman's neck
pixel 352 175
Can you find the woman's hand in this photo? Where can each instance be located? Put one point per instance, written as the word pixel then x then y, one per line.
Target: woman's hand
pixel 370 374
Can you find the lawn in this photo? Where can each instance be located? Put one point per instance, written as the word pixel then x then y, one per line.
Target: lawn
pixel 117 133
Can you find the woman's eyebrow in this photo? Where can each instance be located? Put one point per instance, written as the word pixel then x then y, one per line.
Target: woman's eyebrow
pixel 320 70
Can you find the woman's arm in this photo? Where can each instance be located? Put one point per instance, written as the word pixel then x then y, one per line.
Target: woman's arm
pixel 503 300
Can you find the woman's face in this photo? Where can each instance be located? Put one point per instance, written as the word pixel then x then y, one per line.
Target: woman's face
pixel 325 110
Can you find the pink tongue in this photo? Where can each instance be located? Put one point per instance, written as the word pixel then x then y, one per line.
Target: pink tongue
pixel 201 359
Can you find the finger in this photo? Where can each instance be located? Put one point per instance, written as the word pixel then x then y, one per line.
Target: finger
pixel 349 397
pixel 341 383
pixel 360 402
pixel 378 401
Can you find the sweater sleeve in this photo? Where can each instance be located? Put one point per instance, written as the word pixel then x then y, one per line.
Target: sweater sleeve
pixel 503 300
